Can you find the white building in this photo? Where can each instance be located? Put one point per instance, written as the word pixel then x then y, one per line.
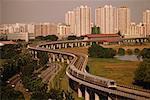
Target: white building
pixel 124 20
pixel 136 31
pixel 146 21
pixel 63 30
pixel 107 19
pixel 79 20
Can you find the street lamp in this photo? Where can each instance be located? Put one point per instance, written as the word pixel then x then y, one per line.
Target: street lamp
pixel 59 82
pixel 1 45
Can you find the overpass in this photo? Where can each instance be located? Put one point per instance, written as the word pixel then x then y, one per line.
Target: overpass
pixel 76 71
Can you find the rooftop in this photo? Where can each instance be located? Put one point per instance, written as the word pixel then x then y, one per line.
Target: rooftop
pixel 6 42
pixel 101 35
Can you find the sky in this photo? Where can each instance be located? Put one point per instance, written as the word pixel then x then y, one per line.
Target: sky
pixel 0 10
pixel 25 11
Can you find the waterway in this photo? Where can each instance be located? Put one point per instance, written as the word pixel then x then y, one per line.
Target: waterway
pixel 128 58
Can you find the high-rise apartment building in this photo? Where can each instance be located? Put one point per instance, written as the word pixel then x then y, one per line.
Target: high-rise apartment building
pixel 146 21
pixel 63 30
pixel 79 20
pixel 111 19
pixel 107 19
pixel 70 20
pixel 136 30
pixel 124 20
pixel 44 29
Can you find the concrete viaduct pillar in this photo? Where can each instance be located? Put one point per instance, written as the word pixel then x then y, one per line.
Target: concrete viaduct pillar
pixel 57 58
pixel 90 43
pixel 71 45
pixel 87 96
pixel 68 61
pixel 79 93
pixel 35 54
pixel 109 98
pixel 62 59
pixel 65 45
pixel 96 97
pixel 53 57
pixel 76 44
pixel 59 46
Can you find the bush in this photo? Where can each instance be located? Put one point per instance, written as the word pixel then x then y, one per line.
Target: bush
pixel 72 37
pixel 136 51
pixel 121 51
pixel 51 38
pixel 142 74
pixel 129 52
pixel 100 52
pixel 145 53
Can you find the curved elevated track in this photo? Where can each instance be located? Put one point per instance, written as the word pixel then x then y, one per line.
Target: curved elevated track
pixel 76 71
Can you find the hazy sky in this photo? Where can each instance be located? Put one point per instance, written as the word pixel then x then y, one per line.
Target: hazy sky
pixel 54 10
pixel 0 10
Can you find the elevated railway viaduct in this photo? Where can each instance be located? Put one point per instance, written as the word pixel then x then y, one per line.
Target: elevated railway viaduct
pixel 76 71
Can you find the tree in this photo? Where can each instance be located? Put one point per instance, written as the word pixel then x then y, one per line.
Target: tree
pixel 100 52
pixel 136 51
pixel 51 38
pixel 56 94
pixel 43 56
pixel 39 38
pixel 142 74
pixel 69 96
pixel 72 37
pixel 95 30
pixel 8 93
pixel 109 53
pixel 129 52
pixel 93 51
pixel 9 51
pixel 145 53
pixel 38 95
pixel 121 51
pixel 80 38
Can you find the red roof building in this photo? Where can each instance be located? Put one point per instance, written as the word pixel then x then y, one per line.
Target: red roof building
pixel 110 38
pixel 7 42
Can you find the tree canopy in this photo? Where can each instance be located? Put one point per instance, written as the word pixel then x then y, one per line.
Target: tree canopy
pixel 129 51
pixel 121 51
pixel 101 52
pixel 142 74
pixel 145 53
pixel 96 30
pixel 136 51
pixel 72 37
pixel 48 38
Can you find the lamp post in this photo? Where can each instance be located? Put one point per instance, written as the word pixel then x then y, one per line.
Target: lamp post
pixel 1 45
pixel 60 82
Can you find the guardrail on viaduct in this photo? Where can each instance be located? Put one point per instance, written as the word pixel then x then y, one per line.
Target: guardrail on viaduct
pixel 76 71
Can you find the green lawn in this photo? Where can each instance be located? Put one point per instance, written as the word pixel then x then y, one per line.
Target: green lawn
pixel 121 71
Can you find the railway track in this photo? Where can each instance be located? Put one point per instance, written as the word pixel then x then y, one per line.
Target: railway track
pixel 76 71
pixel 14 80
pixel 49 72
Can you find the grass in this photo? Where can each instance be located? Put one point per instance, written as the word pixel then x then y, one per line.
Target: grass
pixel 55 83
pixel 76 49
pixel 127 46
pixel 121 71
pixel 61 81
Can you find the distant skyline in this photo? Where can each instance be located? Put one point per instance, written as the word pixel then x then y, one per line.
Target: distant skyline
pixel 25 11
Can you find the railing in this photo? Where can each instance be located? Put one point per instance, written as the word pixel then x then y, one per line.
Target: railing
pixel 76 72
